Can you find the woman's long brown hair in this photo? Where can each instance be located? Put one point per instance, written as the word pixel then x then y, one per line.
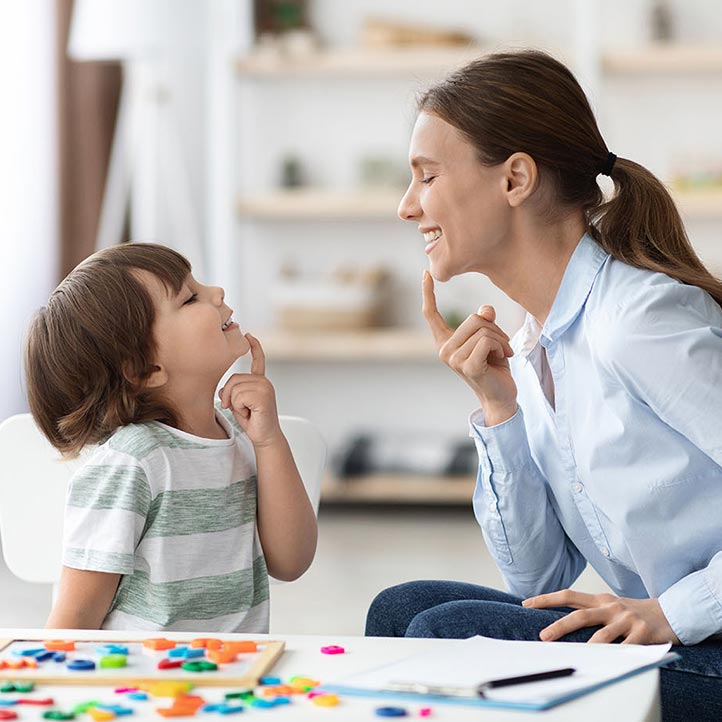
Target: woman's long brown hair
pixel 529 102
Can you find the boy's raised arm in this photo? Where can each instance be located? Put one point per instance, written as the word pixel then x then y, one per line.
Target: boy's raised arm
pixel 286 522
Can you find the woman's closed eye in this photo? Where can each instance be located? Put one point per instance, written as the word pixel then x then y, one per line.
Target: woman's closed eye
pixel 428 180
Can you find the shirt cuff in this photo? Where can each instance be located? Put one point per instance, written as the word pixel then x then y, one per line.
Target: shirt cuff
pixel 691 608
pixel 505 444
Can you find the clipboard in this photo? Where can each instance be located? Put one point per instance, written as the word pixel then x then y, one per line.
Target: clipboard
pixel 471 662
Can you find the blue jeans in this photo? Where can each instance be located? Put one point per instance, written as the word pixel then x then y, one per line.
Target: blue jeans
pixel 691 687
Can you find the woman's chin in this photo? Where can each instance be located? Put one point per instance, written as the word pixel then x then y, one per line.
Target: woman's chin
pixel 440 273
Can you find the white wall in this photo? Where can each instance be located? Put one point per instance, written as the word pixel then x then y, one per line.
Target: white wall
pixel 28 181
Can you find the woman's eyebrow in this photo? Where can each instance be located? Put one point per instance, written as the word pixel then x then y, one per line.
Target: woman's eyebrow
pixel 418 160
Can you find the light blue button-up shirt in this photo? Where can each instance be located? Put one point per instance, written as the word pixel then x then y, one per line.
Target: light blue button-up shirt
pixel 623 468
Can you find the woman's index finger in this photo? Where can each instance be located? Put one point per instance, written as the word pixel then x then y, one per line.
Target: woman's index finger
pixel 438 326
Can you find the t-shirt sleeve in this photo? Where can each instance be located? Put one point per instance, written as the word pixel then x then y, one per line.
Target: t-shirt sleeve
pixel 105 513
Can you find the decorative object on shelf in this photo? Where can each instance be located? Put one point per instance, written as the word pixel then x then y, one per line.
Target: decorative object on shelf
pixel 279 16
pixel 703 177
pixel 408 454
pixel 345 299
pixel 378 33
pixel 283 30
pixel 292 173
pixel 382 172
pixel 662 22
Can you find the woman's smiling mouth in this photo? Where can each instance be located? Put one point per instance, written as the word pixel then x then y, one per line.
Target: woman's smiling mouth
pixel 431 238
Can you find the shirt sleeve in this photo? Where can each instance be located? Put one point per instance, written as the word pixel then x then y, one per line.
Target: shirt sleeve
pixel 667 353
pixel 517 519
pixel 105 513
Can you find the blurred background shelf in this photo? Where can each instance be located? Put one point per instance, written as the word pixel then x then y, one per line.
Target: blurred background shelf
pixel 319 204
pixel 398 489
pixel 383 344
pixel 357 62
pixel 665 59
pixel 672 58
pixel 700 204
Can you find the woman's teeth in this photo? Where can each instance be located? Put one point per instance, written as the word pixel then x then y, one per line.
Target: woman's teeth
pixel 432 235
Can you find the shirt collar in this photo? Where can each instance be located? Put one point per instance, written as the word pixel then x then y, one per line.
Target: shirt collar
pixel 576 285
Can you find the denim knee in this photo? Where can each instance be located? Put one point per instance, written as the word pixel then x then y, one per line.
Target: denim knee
pixel 383 616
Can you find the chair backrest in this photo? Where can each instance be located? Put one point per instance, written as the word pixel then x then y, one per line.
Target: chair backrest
pixel 34 479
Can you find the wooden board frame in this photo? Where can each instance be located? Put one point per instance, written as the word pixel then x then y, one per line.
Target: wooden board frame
pixel 262 665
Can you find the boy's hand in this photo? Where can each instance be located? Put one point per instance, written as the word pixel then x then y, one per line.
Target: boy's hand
pixel 252 400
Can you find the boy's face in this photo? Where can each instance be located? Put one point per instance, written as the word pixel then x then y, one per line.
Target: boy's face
pixel 196 340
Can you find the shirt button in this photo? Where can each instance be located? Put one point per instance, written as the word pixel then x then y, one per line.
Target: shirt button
pixel 578 488
pixel 491 506
pixel 605 552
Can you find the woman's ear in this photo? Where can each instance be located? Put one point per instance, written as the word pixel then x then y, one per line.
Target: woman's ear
pixel 521 178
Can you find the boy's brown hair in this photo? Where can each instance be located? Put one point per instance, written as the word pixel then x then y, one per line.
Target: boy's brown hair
pixel 90 348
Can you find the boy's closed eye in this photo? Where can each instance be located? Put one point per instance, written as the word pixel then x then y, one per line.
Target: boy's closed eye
pixel 191 299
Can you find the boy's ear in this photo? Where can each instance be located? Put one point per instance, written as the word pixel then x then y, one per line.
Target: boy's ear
pixel 154 377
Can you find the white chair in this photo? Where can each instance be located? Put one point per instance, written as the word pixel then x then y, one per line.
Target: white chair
pixel 34 479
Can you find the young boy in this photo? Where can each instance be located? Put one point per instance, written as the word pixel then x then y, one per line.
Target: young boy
pixel 178 516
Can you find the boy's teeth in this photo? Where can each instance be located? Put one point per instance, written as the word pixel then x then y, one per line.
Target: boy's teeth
pixel 432 235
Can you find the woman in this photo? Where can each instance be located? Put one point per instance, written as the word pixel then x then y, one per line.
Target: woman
pixel 597 432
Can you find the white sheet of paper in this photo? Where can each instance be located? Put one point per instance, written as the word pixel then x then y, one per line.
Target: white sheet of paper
pixel 470 662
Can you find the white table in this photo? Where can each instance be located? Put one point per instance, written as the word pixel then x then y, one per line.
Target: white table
pixel 633 700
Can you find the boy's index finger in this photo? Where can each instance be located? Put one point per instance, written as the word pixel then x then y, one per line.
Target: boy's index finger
pixel 438 326
pixel 258 357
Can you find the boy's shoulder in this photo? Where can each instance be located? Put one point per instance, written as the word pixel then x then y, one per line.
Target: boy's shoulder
pixel 141 440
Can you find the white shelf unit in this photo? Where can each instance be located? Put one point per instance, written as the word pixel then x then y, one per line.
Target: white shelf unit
pixel 398 346
pixel 319 204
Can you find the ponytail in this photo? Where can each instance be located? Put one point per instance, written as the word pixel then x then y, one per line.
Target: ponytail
pixel 640 225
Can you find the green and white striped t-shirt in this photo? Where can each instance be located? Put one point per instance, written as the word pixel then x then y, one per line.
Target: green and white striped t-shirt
pixel 175 515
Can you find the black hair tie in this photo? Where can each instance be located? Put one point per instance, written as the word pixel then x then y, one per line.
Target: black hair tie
pixel 609 164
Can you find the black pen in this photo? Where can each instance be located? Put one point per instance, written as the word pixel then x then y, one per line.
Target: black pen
pixel 480 690
pixel 524 678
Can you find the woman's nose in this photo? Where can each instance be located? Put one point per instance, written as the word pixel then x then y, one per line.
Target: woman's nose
pixel 409 207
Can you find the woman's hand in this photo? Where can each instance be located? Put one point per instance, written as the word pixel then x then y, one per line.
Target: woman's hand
pixel 478 351
pixel 252 399
pixel 635 621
